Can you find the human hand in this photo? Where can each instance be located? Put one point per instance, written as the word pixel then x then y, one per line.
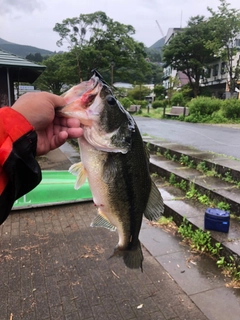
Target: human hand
pixel 52 130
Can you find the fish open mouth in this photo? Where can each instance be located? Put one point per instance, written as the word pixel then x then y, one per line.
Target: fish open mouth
pixel 83 94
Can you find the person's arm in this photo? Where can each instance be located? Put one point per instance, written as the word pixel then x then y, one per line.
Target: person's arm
pixel 29 128
pixel 19 171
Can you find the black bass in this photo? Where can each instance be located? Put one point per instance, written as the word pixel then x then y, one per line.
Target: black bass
pixel 116 163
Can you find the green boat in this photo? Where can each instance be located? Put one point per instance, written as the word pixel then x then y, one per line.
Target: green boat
pixel 56 187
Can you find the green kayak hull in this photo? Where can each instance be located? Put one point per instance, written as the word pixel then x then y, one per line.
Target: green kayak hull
pixel 56 187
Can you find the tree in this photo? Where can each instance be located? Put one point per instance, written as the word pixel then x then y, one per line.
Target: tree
pixel 60 71
pixel 160 92
pixel 76 30
pixel 187 51
pixel 99 42
pixel 225 27
pixel 37 57
pixel 154 55
pixel 139 92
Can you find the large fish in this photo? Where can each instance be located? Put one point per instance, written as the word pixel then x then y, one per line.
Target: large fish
pixel 116 164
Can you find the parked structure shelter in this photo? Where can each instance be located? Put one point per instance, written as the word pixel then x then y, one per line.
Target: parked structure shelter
pixel 14 69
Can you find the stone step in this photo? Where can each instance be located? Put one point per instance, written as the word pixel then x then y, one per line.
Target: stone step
pixel 222 164
pixel 178 208
pixel 213 187
pixel 176 203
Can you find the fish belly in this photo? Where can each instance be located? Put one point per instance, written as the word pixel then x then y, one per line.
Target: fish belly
pixel 93 161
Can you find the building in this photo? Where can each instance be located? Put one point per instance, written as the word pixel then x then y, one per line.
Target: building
pixel 168 72
pixel 14 69
pixel 216 77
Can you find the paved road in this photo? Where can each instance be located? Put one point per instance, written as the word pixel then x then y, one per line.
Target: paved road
pixel 218 139
pixel 54 266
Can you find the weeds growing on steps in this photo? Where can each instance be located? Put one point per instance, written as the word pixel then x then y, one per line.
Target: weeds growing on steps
pixel 200 241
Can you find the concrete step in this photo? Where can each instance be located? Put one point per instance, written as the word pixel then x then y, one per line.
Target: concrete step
pixel 215 188
pixel 178 207
pixel 221 163
pixel 176 203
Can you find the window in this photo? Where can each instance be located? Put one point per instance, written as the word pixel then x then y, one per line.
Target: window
pixel 223 67
pixel 237 42
pixel 215 70
pixel 207 73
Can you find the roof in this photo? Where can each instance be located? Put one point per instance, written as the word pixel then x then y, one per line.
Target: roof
pixel 123 85
pixel 20 69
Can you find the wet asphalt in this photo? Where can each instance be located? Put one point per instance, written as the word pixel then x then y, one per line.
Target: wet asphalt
pixel 197 275
pixel 220 139
pixel 55 267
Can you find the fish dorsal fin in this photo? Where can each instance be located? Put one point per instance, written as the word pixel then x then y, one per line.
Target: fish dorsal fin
pixel 78 170
pixel 155 206
pixel 101 221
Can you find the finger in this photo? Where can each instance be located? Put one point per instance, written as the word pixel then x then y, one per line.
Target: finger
pixel 57 101
pixel 67 122
pixel 59 139
pixel 73 122
pixel 74 133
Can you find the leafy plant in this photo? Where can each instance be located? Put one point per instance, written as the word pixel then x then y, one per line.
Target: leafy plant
pixel 198 239
pixel 204 106
pixel 192 192
pixel 202 167
pixel 191 164
pixel 178 99
pixel 223 206
pixel 227 177
pixel 204 199
pixel 231 267
pixel 154 175
pixel 183 185
pixel 167 155
pixel 184 159
pixel 165 220
pixel 172 179
pixel 231 109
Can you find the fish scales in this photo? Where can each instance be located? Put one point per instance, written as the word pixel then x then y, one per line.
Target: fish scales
pixel 116 163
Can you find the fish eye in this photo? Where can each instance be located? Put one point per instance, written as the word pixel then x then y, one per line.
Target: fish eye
pixel 111 100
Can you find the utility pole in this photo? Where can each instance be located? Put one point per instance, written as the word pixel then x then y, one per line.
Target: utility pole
pixel 112 66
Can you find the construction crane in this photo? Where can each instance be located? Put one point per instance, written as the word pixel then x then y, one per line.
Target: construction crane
pixel 160 28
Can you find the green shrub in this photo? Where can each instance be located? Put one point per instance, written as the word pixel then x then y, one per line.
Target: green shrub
pixel 231 109
pixel 142 103
pixel 204 106
pixel 178 99
pixel 217 117
pixel 158 104
pixel 126 102
pixel 138 92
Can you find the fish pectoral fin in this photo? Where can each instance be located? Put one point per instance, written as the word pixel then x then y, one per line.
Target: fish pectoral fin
pixel 100 221
pixel 155 206
pixel 78 170
pixel 109 170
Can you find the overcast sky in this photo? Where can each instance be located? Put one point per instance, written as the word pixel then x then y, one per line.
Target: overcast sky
pixel 31 22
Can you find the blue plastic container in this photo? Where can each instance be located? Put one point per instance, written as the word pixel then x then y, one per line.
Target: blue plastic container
pixel 217 220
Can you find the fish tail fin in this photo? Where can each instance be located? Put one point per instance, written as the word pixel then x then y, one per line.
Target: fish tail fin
pixel 133 257
pixel 78 170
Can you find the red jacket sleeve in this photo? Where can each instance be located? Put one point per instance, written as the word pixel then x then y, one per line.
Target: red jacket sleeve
pixel 19 171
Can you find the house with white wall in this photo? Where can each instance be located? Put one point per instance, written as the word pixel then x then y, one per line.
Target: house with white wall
pixel 216 77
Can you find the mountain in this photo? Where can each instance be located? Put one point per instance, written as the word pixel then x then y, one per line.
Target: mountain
pixel 159 44
pixel 22 50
